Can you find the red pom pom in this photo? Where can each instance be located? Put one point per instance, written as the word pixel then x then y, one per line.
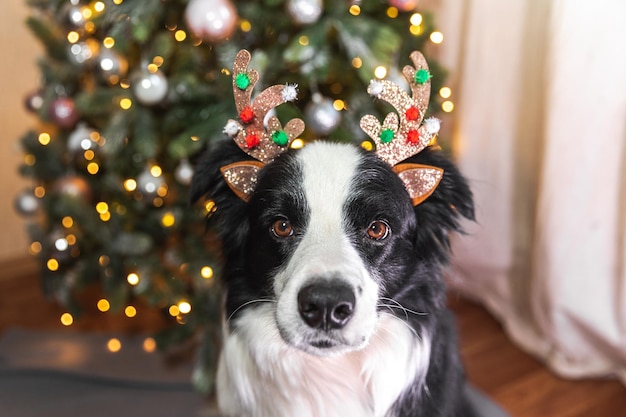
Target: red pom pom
pixel 252 140
pixel 247 115
pixel 413 136
pixel 412 113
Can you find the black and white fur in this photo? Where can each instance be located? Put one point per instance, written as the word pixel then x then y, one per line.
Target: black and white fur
pixel 392 350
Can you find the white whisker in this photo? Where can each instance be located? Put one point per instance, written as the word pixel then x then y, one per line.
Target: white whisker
pixel 258 300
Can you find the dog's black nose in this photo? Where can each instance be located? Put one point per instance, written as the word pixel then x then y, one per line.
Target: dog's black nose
pixel 326 305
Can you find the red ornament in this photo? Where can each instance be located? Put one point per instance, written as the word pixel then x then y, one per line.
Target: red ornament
pixel 412 113
pixel 247 115
pixel 252 140
pixel 413 137
pixel 63 112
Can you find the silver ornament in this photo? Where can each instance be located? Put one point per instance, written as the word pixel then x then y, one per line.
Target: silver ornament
pixel 82 53
pixel 321 116
pixel 184 172
pixel 211 20
pixel 150 87
pixel 111 66
pixel 148 184
pixel 81 139
pixel 305 12
pixel 25 203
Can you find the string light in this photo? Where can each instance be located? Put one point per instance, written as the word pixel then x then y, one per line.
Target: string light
pixel 245 26
pixel 67 222
pixel 89 155
pixel 392 12
pixel 416 30
pixel 416 19
pixel 99 6
pixel 380 72
pixel 103 260
pixel 130 184
pixel 297 144
pixel 67 319
pixel 71 239
pixel 355 10
pixel 103 305
pixel 206 272
pixel 436 37
pixel 156 171
pixel 52 264
pixel 132 278
pixel 357 62
pixel 102 207
pixel 126 103
pixel 35 248
pixel 44 138
pixel 303 40
pixel 184 307
pixel 130 311
pixel 108 42
pixel 114 345
pixel 180 35
pixel 73 36
pixel 447 106
pixel 158 60
pixel 149 345
pixel 367 145
pixel 445 92
pixel 339 105
pixel 39 191
pixel 61 244
pixel 173 310
pixel 29 159
pixel 168 219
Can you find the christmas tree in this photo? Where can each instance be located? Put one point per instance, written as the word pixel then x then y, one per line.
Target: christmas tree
pixel 132 92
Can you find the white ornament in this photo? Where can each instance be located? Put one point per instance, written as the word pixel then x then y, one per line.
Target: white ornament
pixel 211 20
pixel 150 87
pixel 432 125
pixel 184 172
pixel 305 12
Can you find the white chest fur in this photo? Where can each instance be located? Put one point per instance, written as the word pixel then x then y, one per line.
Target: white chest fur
pixel 260 376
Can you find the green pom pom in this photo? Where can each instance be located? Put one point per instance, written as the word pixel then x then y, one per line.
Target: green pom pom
pixel 280 138
pixel 242 81
pixel 386 135
pixel 422 76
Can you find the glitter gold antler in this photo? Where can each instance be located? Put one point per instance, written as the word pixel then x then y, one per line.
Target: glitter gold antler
pixel 262 139
pixel 402 134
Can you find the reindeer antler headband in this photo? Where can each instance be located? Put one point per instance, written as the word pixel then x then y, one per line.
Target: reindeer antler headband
pixel 396 139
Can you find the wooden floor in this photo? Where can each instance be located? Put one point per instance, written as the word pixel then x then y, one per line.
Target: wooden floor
pixel 519 383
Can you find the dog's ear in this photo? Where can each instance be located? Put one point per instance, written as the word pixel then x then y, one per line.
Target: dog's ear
pixel 441 213
pixel 209 182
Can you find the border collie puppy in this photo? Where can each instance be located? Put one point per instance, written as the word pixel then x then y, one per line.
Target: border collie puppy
pixel 334 299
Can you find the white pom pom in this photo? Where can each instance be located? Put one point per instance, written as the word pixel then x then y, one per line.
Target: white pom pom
pixel 290 92
pixel 432 125
pixel 375 89
pixel 232 128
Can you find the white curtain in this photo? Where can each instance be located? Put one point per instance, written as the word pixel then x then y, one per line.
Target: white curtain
pixel 539 128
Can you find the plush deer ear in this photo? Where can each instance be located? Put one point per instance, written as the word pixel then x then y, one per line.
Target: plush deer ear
pixel 402 134
pixel 419 180
pixel 260 141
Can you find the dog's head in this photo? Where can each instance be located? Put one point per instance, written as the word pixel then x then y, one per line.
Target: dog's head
pixel 332 235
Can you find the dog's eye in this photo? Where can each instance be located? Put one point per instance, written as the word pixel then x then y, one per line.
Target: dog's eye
pixel 378 230
pixel 282 228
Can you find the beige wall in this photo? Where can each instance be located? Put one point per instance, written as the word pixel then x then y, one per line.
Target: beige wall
pixel 18 77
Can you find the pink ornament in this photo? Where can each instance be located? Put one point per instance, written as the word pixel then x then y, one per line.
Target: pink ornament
pixel 211 20
pixel 404 5
pixel 63 112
